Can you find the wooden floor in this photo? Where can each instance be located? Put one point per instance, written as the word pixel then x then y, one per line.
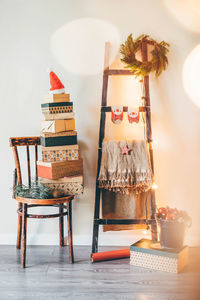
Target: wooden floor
pixel 49 275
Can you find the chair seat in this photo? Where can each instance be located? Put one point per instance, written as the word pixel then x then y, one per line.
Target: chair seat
pixel 51 201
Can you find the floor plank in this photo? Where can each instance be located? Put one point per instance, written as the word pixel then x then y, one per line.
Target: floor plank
pixel 49 275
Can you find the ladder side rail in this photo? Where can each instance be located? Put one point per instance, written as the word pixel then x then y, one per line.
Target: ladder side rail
pixel 144 52
pixel 101 137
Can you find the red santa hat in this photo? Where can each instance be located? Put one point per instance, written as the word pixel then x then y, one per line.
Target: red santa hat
pixel 56 85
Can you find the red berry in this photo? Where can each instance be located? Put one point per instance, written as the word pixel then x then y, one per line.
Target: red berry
pixel 162 210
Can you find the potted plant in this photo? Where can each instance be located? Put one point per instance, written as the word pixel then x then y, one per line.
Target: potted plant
pixel 173 223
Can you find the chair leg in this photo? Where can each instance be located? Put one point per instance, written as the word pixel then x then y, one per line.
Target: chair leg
pixel 19 229
pixel 24 226
pixel 70 235
pixel 61 227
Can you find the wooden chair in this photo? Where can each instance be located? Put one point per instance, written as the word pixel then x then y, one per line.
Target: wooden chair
pixel 64 204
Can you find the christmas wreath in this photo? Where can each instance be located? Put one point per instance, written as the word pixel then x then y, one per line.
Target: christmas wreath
pixel 157 64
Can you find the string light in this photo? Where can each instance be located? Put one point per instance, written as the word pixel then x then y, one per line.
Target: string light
pixel 154 143
pixel 142 124
pixel 145 231
pixel 139 79
pixel 154 186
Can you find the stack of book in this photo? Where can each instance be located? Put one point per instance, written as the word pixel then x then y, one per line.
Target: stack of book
pixel 61 168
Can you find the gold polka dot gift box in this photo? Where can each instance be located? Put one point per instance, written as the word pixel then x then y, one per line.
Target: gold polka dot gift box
pixel 148 254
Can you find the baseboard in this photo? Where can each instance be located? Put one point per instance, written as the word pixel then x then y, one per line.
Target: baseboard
pixel 105 239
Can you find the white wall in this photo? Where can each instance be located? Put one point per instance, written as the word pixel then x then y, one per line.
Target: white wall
pixel 26 28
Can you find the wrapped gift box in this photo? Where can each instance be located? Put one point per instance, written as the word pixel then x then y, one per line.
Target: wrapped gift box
pixel 60 116
pixel 58 139
pixel 60 153
pixel 67 185
pixel 57 108
pixel 55 126
pixel 148 254
pixel 55 170
pixel 57 98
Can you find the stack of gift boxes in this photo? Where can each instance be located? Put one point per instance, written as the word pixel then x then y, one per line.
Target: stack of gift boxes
pixel 61 168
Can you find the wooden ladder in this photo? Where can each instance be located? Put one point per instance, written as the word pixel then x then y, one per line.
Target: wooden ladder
pixel 104 108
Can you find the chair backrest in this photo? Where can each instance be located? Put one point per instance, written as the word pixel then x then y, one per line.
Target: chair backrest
pixel 24 141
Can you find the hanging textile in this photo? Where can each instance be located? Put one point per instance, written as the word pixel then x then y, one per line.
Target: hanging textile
pixel 116 114
pixel 118 206
pixel 133 115
pixel 125 171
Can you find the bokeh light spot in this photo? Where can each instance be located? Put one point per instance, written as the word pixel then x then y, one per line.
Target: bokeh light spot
pixel 186 12
pixel 79 45
pixel 191 75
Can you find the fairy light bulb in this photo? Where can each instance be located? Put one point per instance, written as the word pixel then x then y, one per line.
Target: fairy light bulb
pixel 154 186
pixel 145 231
pixel 138 79
pixel 154 143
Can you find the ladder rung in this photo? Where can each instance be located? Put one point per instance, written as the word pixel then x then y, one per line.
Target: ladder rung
pixel 125 108
pixel 110 72
pixel 124 221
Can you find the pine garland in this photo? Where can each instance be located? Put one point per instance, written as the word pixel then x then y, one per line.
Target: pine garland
pixel 35 191
pixel 159 60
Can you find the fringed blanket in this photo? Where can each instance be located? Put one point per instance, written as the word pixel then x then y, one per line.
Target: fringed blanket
pixel 125 172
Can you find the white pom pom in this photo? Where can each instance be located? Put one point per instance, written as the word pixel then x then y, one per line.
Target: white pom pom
pixel 49 70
